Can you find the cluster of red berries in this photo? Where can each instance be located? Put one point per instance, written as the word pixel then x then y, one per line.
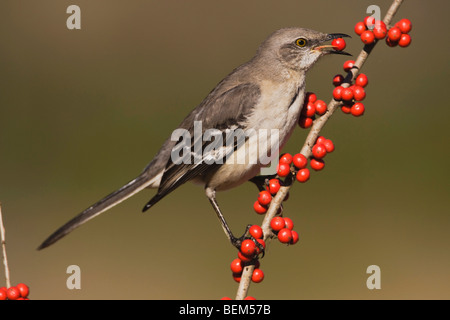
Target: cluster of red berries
pixel 18 292
pixel 284 168
pixel 248 254
pixel 352 95
pixel 320 149
pixel 311 107
pixel 283 228
pixel 370 30
pixel 265 197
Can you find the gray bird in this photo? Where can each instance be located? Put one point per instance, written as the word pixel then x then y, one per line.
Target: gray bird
pixel 267 92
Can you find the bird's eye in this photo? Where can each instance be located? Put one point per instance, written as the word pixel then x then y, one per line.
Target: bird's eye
pixel 300 42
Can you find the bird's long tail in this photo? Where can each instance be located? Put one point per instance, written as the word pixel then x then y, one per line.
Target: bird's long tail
pixel 128 190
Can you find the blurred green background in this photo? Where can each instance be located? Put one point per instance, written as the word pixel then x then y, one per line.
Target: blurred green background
pixel 83 111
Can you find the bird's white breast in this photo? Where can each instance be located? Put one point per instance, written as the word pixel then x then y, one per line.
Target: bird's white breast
pixel 278 109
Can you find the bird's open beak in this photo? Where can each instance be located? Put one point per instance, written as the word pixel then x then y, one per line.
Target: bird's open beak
pixel 328 48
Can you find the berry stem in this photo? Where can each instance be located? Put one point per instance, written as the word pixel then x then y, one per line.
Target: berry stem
pixel 5 259
pixel 307 149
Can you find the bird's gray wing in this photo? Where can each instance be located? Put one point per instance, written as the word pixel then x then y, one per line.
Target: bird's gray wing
pixel 221 111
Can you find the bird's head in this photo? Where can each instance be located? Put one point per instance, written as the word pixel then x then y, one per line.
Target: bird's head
pixel 298 48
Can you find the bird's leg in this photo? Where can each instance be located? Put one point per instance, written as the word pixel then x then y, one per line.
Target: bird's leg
pixel 236 242
pixel 226 228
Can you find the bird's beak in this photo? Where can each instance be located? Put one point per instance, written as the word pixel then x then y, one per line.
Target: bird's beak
pixel 328 48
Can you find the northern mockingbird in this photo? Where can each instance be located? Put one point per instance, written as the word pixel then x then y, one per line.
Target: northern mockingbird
pixel 265 93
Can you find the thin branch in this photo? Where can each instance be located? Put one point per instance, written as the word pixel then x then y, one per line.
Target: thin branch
pixel 306 149
pixel 392 11
pixel 5 259
pixel 244 284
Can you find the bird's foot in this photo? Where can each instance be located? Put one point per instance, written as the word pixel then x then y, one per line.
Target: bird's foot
pixel 248 251
pixel 262 182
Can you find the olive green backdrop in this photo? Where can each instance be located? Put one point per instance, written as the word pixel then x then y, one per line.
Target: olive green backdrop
pixel 83 111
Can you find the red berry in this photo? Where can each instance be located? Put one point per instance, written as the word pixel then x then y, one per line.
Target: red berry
pixel 359 93
pixel 249 298
pixel 285 235
pixel 357 109
pixel 256 231
pixel 243 257
pixel 391 43
pixel 257 275
pixel 317 164
pixel 225 298
pixel 360 27
pixel 286 158
pixel 237 277
pixel 348 65
pixel 309 110
pixel 24 290
pixel 248 248
pixel 329 145
pixel 288 223
pixel 394 34
pixel 380 24
pixel 13 293
pixel 367 37
pixel 294 237
pixel 277 223
pixel 347 94
pixel 259 209
pixel 3 295
pixel 302 175
pixel 338 44
pixel 361 80
pixel 321 107
pixel 380 32
pixel 405 40
pixel 369 21
pixel 337 93
pixel 310 97
pixel 338 79
pixel 283 169
pixel 404 25
pixel 345 108
pixel 319 150
pixel 300 161
pixel 305 122
pixel 274 184
pixel 320 139
pixel 236 266
pixel 264 197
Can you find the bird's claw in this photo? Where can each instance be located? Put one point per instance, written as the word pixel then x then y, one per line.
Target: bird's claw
pixel 237 242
